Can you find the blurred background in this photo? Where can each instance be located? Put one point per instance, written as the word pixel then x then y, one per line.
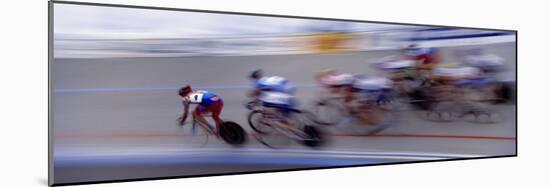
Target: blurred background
pixel 116 72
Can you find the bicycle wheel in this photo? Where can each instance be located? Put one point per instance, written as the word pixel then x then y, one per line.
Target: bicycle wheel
pixel 329 112
pixel 273 140
pixel 314 137
pixel 388 118
pixel 443 112
pixel 232 133
pixel 373 121
pixel 502 93
pixel 255 120
pixel 308 134
pixel 274 137
pixel 195 135
pixel 302 118
pixel 420 100
pixel 266 133
pixel 481 116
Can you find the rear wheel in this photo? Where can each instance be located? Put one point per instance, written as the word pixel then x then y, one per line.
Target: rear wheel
pixel 232 133
pixel 420 100
pixel 314 138
pixel 503 93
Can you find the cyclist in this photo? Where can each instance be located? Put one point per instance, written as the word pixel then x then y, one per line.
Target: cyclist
pixel 333 81
pixel 403 73
pixel 370 93
pixel 338 85
pixel 275 93
pixel 427 57
pixel 262 84
pixel 466 87
pixel 206 102
pixel 489 63
pixel 457 75
pixel 451 82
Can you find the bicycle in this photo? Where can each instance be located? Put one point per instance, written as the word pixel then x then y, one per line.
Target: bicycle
pixel 230 132
pixel 270 126
pixel 449 102
pixel 374 115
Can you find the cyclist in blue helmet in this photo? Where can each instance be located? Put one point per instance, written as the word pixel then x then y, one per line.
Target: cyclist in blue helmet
pixel 271 91
pixel 270 83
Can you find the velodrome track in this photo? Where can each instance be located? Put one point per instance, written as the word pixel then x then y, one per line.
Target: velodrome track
pixel 114 118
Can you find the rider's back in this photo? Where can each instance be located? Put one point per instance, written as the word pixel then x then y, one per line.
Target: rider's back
pixel 274 84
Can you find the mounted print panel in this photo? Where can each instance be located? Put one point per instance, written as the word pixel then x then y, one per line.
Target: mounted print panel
pixel 152 93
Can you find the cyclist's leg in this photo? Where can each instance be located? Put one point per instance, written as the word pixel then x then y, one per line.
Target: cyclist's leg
pixel 285 123
pixel 363 115
pixel 371 115
pixel 286 111
pixel 197 115
pixel 368 111
pixel 349 97
pixel 281 115
pixel 216 110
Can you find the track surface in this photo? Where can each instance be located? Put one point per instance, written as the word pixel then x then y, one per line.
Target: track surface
pixel 115 118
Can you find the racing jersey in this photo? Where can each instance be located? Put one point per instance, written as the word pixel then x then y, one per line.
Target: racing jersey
pixel 337 79
pixel 274 84
pixel 427 55
pixel 486 62
pixel 398 65
pixel 203 98
pixel 373 84
pixel 278 98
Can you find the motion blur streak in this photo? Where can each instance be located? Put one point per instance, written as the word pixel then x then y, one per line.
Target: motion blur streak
pixel 155 134
pixel 221 87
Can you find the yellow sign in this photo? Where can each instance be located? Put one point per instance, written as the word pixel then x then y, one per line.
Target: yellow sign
pixel 332 42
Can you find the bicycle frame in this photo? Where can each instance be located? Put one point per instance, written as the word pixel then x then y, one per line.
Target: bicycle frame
pixel 287 130
pixel 207 127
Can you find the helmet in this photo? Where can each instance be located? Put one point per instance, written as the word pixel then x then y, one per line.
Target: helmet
pixel 346 79
pixel 411 46
pixel 255 74
pixel 184 90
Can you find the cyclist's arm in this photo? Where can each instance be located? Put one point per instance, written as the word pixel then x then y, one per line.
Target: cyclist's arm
pixel 255 93
pixel 186 104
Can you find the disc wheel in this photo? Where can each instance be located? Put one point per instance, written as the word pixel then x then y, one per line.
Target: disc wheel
pixel 314 138
pixel 232 133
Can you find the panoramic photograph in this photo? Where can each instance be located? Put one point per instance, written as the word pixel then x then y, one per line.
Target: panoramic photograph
pixel 142 93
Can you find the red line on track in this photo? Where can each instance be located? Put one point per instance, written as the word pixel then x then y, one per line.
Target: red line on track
pixel 445 136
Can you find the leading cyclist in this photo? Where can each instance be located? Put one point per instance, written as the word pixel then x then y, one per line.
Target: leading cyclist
pixel 206 102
